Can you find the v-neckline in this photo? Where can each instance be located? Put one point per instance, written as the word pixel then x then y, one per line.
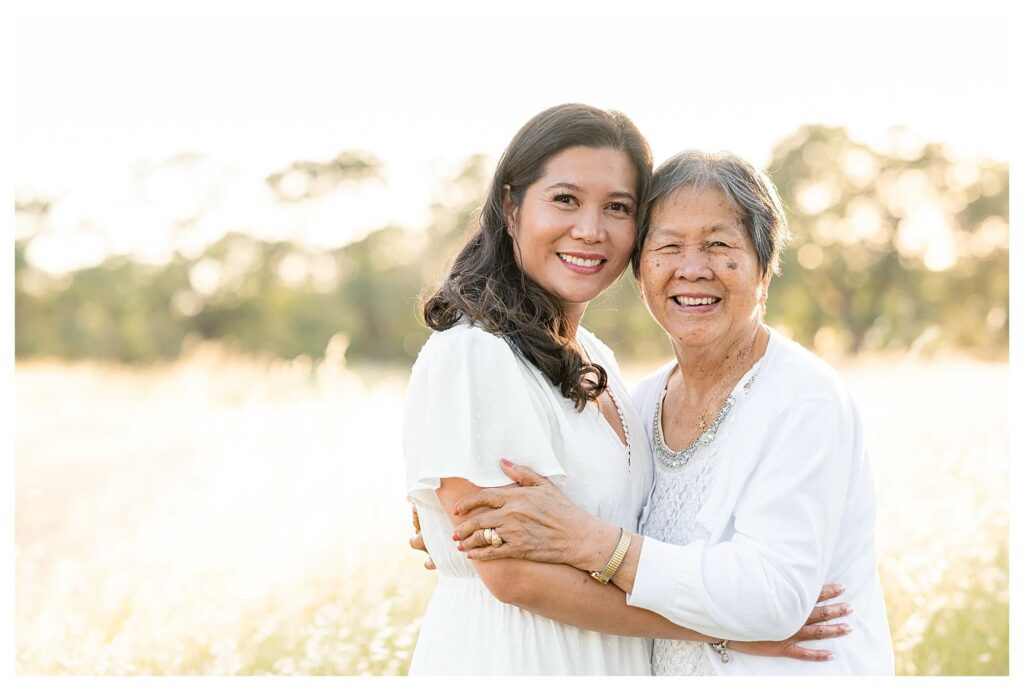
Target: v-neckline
pixel 624 441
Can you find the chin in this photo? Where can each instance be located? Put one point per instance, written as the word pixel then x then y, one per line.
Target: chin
pixel 692 335
pixel 578 297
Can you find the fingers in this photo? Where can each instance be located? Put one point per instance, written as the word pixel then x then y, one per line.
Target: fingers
pixel 828 612
pixel 483 519
pixel 488 553
pixel 831 590
pixel 808 654
pixel 523 476
pixel 819 632
pixel 474 541
pixel 416 542
pixel 816 632
pixel 494 498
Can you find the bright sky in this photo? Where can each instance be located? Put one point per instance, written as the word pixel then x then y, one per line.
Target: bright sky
pixel 100 98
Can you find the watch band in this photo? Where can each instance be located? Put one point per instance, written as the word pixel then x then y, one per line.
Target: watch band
pixel 617 556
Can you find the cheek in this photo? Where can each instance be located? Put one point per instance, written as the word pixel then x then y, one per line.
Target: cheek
pixel 738 268
pixel 652 279
pixel 531 257
pixel 648 267
pixel 625 240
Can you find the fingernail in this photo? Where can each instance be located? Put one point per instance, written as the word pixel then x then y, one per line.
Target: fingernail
pixel 840 587
pixel 845 628
pixel 459 547
pixel 507 464
pixel 455 536
pixel 848 609
pixel 830 657
pixel 468 555
pixel 457 512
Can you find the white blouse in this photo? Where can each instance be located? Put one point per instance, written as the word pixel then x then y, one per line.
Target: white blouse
pixel 792 507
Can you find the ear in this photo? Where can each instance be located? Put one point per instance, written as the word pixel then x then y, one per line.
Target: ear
pixel 640 282
pixel 508 208
pixel 765 282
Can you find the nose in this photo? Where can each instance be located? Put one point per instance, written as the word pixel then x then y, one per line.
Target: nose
pixel 589 227
pixel 692 265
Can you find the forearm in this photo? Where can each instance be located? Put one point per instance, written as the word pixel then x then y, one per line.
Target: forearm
pixel 597 548
pixel 751 596
pixel 568 595
pixel 757 601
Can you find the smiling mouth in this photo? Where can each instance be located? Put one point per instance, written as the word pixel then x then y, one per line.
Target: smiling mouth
pixel 579 261
pixel 683 301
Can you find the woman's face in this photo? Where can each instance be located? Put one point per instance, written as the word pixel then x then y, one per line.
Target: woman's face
pixel 699 274
pixel 575 227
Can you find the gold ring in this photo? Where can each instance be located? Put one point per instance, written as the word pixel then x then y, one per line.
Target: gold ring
pixel 491 535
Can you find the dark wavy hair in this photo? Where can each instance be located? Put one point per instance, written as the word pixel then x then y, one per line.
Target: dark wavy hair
pixel 485 284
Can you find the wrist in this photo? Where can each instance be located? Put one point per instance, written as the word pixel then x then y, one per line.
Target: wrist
pixel 596 546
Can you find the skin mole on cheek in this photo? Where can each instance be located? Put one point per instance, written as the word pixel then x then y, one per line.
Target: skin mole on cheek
pixel 731 265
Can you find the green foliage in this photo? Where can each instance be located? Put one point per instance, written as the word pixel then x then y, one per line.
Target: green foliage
pixel 901 248
pixel 887 244
pixel 945 650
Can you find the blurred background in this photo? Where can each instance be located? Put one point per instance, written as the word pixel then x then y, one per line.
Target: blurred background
pixel 223 225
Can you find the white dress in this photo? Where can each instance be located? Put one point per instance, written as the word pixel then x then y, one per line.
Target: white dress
pixel 473 400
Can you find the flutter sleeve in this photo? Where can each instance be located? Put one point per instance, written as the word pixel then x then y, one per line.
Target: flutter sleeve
pixel 470 403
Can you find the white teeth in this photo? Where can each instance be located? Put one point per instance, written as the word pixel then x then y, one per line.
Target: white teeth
pixel 693 302
pixel 579 262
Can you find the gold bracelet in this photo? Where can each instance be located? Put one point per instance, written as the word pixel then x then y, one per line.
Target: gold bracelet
pixel 617 556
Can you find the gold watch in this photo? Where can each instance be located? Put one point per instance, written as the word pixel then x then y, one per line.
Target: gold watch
pixel 617 556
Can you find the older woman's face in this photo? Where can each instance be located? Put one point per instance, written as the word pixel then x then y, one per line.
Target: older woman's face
pixel 699 272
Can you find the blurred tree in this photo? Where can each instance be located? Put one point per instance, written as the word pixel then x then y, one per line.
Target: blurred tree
pixel 893 248
pixel 889 243
pixel 303 180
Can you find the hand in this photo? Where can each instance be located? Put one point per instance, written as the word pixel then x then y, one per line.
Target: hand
pixel 535 520
pixel 416 541
pixel 813 630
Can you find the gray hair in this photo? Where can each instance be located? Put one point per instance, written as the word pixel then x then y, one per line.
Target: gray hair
pixel 751 192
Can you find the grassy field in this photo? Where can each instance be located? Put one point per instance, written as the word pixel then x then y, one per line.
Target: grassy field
pixel 227 516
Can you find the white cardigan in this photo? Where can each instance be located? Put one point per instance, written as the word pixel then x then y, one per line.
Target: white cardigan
pixel 792 508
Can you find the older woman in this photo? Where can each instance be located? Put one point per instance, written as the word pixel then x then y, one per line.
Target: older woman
pixel 763 491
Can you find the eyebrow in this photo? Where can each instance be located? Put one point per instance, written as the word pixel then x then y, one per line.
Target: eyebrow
pixel 577 188
pixel 736 228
